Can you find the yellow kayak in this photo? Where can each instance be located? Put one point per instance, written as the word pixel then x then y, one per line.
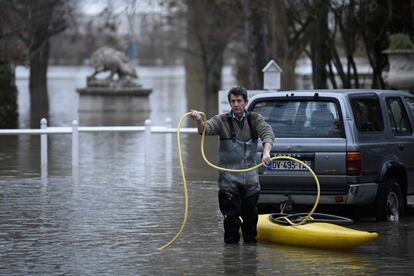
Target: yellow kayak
pixel 315 234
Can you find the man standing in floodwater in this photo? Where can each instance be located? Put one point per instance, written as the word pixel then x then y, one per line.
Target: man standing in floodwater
pixel 239 131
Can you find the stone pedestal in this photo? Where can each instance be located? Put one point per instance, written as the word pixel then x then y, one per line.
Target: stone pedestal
pixel 401 71
pixel 114 99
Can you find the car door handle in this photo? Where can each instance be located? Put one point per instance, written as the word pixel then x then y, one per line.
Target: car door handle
pixel 400 146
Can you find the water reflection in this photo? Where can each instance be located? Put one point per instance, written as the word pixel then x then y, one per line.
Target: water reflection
pixel 113 118
pixel 110 217
pixel 75 176
pixel 306 261
pixel 240 259
pixel 43 174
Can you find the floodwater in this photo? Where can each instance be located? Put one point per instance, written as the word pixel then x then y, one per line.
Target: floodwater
pixel 112 214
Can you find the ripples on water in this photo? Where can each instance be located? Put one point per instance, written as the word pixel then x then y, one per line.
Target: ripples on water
pixel 112 214
pixel 111 217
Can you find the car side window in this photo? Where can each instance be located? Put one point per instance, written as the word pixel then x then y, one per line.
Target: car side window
pixel 367 114
pixel 398 118
pixel 410 104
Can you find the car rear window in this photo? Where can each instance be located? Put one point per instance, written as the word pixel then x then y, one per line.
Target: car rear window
pixel 301 118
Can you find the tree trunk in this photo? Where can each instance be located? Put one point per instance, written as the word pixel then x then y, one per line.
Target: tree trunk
pixel 279 47
pixel 374 31
pixel 39 102
pixel 213 85
pixel 255 33
pixel 195 62
pixel 319 46
pixel 8 96
pixel 207 39
pixel 289 75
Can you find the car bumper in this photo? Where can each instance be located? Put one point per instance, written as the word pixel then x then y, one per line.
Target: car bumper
pixel 358 194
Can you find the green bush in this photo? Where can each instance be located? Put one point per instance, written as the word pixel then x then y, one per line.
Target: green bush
pixel 400 42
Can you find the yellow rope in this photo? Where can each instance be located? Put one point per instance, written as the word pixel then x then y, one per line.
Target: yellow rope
pixel 304 220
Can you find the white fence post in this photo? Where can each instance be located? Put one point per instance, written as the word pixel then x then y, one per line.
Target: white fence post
pixel 44 132
pixel 43 143
pixel 168 142
pixel 147 140
pixel 75 144
pixel 43 153
pixel 168 150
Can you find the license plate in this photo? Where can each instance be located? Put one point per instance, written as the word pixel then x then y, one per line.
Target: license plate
pixel 289 165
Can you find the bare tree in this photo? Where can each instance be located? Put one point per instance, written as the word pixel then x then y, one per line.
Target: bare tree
pixel 374 22
pixel 332 33
pixel 255 19
pixel 10 53
pixel 346 23
pixel 40 20
pixel 278 37
pixel 364 27
pixel 318 44
pixel 8 96
pixel 210 26
pixel 289 24
pixel 352 24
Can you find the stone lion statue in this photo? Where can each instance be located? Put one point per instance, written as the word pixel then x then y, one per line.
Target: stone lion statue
pixel 109 59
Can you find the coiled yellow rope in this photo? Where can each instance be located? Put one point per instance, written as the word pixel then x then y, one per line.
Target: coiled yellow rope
pixel 304 220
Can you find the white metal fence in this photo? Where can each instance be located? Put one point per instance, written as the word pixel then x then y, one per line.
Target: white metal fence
pixel 74 130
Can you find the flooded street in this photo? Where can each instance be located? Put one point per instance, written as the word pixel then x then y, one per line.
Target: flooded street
pixel 112 214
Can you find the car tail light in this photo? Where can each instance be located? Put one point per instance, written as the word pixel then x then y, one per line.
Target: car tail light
pixel 353 163
pixel 339 199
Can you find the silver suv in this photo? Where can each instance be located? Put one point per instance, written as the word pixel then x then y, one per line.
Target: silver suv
pixel 360 143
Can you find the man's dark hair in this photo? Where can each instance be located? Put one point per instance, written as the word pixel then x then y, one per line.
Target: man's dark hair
pixel 238 91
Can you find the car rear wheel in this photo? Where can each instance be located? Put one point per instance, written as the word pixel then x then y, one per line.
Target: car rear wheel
pixel 389 203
